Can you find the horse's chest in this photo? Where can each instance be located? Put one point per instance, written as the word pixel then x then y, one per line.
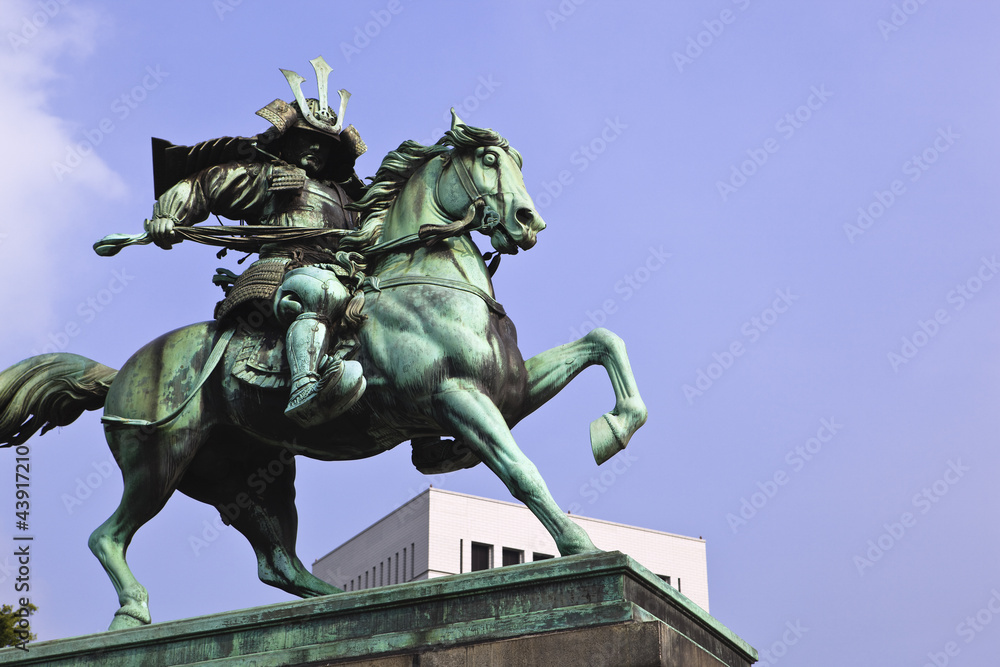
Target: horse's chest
pixel 417 347
pixel 511 386
pixel 483 350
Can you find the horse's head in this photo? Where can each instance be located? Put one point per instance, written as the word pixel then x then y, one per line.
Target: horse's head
pixel 482 166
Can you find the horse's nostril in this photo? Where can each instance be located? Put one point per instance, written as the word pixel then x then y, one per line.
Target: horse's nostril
pixel 525 216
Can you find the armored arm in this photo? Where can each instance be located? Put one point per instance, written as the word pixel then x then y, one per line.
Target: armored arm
pixel 235 190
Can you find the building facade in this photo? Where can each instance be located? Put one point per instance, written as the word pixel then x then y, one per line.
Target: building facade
pixel 439 533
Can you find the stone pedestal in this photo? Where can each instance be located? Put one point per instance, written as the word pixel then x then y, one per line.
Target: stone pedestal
pixel 592 610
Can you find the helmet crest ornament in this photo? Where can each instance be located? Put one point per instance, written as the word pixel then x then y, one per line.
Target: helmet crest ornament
pixel 319 115
pixel 311 113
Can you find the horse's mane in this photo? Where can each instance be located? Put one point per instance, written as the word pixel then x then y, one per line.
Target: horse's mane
pixel 399 165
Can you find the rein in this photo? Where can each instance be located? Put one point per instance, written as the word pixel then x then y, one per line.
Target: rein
pixel 427 235
pixel 489 227
pixel 374 284
pixel 213 360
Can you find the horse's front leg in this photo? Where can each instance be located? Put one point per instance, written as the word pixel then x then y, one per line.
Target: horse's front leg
pixel 472 417
pixel 553 369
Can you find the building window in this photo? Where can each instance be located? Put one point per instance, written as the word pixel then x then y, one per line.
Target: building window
pixel 482 556
pixel 397 567
pixel 404 563
pixel 537 556
pixel 381 573
pixel 413 556
pixel 512 556
pixel 366 578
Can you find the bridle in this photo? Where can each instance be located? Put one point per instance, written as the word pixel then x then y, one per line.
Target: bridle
pixel 492 221
pixel 489 222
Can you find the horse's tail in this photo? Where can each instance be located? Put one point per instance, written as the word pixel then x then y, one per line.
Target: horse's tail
pixel 49 390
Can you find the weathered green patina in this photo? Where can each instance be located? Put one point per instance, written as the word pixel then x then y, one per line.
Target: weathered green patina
pixel 592 610
pixel 201 408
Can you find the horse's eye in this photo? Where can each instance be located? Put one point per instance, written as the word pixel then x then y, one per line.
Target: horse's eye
pixel 490 159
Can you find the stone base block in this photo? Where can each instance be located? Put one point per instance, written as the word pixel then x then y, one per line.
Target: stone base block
pixel 594 610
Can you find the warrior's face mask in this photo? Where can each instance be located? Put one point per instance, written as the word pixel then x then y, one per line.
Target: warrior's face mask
pixel 308 150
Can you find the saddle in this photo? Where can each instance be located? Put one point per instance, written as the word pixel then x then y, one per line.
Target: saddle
pixel 259 358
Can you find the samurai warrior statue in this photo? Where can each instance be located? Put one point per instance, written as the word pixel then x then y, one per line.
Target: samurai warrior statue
pixel 298 174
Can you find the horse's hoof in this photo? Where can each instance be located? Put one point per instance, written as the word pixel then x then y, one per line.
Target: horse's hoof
pixel 611 432
pixel 606 437
pixel 124 621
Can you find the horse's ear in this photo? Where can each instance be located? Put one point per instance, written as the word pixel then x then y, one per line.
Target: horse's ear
pixel 455 120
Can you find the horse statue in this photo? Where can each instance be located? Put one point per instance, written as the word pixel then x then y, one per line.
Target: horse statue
pixel 439 353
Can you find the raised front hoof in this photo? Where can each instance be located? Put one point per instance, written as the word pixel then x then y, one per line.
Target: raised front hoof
pixel 605 438
pixel 610 433
pixel 124 621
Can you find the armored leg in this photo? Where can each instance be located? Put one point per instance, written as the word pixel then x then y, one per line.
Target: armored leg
pixel 322 387
pixel 305 346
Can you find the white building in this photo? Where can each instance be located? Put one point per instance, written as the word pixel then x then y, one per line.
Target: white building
pixel 439 533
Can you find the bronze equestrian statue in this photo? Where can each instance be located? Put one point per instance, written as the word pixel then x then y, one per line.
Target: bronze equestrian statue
pixel 201 408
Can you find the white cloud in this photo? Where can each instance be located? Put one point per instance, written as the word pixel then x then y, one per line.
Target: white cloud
pixel 38 205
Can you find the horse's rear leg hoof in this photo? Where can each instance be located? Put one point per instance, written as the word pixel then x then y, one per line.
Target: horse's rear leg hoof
pixel 125 619
pixel 134 611
pixel 610 433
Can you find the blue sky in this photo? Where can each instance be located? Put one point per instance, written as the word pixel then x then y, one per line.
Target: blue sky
pixel 787 210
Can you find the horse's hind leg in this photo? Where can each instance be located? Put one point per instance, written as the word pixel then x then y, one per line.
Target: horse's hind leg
pixel 474 418
pixel 254 491
pixel 151 466
pixel 553 369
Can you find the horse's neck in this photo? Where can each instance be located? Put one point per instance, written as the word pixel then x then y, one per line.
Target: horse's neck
pixel 455 258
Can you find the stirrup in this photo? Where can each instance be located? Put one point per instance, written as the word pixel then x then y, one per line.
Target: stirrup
pixel 320 401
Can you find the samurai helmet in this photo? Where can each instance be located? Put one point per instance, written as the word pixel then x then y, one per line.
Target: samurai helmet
pixel 314 115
